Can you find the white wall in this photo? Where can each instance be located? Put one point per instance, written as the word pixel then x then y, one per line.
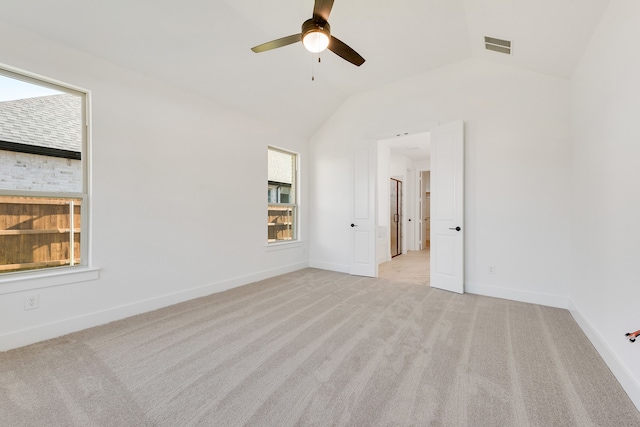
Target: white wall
pixel 517 178
pixel 399 165
pixel 605 289
pixel 383 248
pixel 179 197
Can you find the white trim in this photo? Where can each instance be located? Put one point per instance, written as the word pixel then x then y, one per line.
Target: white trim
pixel 297 192
pixel 51 330
pixel 39 279
pixel 619 370
pixel 43 194
pixel 340 268
pixel 20 74
pixel 549 300
pixel 278 246
pixel 86 214
pixel 86 162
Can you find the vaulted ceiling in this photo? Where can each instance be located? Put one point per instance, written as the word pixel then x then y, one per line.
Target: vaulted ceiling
pixel 203 46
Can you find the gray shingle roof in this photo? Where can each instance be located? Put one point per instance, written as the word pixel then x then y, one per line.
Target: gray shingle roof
pixel 53 121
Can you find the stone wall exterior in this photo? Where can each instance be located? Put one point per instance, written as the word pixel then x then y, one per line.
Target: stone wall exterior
pixel 53 121
pixel 33 172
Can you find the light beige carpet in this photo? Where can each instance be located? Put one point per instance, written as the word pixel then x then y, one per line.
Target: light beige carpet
pixel 316 348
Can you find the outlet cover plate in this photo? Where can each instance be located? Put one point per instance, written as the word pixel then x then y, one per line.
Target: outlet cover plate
pixel 32 301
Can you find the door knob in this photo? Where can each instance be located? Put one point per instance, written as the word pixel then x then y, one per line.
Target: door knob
pixel 353 225
pixel 457 228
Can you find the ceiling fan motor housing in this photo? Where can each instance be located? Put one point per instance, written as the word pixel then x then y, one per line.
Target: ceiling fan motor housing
pixel 312 25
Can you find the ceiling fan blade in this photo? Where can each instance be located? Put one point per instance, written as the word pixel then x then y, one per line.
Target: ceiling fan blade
pixel 274 44
pixel 322 9
pixel 345 52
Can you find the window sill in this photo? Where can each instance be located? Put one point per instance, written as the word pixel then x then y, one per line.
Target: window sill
pixel 283 245
pixel 41 279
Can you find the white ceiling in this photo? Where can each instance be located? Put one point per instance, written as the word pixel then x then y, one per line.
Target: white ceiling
pixel 203 46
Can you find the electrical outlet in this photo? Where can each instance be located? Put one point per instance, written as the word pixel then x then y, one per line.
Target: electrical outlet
pixel 32 301
pixel 492 269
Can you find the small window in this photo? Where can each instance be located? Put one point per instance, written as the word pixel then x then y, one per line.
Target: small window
pixel 43 190
pixel 281 195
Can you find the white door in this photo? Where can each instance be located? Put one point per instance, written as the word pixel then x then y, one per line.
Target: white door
pixel 364 221
pixel 447 216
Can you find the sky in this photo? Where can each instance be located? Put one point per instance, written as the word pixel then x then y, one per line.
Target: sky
pixel 11 89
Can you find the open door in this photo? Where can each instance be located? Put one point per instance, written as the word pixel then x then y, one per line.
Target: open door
pixel 363 225
pixel 395 217
pixel 447 214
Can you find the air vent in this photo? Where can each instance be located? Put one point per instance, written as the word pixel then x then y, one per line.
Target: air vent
pixel 497 45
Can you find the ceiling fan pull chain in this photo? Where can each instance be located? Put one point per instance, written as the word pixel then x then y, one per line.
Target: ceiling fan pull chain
pixel 313 77
pixel 313 74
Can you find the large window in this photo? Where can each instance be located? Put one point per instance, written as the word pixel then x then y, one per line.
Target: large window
pixel 43 174
pixel 281 195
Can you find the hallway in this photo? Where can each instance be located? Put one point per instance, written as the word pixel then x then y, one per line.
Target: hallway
pixel 412 267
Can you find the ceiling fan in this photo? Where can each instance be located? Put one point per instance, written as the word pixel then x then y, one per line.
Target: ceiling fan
pixel 316 36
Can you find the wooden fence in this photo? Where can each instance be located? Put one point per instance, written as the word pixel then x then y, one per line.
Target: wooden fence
pixel 280 223
pixel 37 232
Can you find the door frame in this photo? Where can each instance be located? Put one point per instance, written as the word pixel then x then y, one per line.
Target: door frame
pixel 420 238
pixel 382 149
pixel 398 212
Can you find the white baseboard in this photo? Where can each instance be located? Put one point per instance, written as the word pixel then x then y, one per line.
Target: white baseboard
pixel 21 338
pixel 517 295
pixel 619 370
pixel 340 268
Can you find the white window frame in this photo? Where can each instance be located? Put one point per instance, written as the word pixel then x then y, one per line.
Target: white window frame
pixel 82 271
pixel 296 206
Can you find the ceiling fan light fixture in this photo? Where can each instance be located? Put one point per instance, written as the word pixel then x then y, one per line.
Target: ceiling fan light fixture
pixel 315 41
pixel 315 37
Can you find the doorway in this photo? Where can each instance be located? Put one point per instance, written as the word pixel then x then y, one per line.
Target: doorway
pixel 395 217
pixel 401 162
pixel 445 160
